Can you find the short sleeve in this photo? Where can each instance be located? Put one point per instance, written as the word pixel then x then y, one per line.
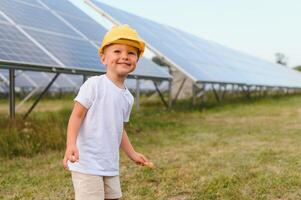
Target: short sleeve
pixel 86 94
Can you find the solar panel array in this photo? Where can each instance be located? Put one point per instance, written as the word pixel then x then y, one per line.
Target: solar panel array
pixel 203 60
pixel 56 33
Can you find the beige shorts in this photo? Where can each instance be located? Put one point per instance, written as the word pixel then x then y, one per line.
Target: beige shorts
pixel 92 187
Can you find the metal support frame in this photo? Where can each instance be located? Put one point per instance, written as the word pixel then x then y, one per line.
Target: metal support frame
pixel 178 92
pixel 198 90
pixel 169 93
pixel 12 100
pixel 167 105
pixel 63 70
pixel 193 94
pixel 85 77
pixel 219 95
pixel 223 90
pixel 40 96
pixel 12 66
pixel 202 93
pixel 246 90
pixel 26 98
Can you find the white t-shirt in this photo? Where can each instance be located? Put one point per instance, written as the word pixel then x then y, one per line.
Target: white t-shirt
pixel 100 134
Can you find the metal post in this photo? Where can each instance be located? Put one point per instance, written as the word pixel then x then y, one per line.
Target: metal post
pixel 85 78
pixel 193 94
pixel 12 101
pixel 203 93
pixel 215 92
pixel 169 93
pixel 223 91
pixel 160 95
pixel 137 95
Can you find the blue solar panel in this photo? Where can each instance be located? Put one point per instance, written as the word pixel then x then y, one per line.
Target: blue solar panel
pixel 146 67
pixel 29 2
pixel 15 46
pixel 95 32
pixel 89 28
pixel 34 16
pixel 53 42
pixel 66 8
pixel 205 60
pixel 3 78
pixel 72 52
pixel 2 19
pixel 77 19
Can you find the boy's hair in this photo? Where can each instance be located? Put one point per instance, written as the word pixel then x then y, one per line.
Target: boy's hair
pixel 122 34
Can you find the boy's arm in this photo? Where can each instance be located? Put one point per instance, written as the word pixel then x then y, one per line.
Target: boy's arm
pixel 77 116
pixel 127 147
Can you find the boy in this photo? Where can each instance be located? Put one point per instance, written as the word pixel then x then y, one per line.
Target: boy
pixel 95 129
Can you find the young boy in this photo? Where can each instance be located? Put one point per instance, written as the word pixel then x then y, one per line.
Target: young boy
pixel 95 129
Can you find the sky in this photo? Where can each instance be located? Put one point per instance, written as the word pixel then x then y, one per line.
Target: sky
pixel 257 27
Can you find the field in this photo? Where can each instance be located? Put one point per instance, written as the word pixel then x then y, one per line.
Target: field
pixel 244 149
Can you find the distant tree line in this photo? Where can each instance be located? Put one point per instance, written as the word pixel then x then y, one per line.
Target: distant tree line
pixel 281 58
pixel 298 68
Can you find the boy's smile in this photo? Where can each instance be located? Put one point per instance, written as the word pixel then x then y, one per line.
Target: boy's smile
pixel 120 59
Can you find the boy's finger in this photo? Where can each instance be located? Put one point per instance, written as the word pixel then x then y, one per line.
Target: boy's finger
pixel 65 162
pixel 150 164
pixel 145 160
pixel 76 156
pixel 71 158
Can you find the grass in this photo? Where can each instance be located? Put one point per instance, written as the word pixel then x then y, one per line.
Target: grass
pixel 246 149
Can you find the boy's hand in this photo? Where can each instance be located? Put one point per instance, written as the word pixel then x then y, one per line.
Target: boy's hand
pixel 71 154
pixel 140 159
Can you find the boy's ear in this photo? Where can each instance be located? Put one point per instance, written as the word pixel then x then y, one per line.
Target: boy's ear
pixel 102 58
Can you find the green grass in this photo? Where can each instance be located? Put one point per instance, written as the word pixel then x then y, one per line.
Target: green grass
pixel 245 149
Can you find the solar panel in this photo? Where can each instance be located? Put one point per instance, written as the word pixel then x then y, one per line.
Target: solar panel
pixel 89 28
pixel 145 66
pixel 17 47
pixel 77 19
pixel 95 32
pixel 203 60
pixel 34 16
pixel 52 32
pixel 72 52
pixel 30 2
pixel 2 19
pixel 66 8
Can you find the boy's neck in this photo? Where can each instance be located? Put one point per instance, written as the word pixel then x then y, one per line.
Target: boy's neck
pixel 117 80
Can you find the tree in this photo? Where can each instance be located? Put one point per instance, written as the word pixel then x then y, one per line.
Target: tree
pixel 298 68
pixel 281 58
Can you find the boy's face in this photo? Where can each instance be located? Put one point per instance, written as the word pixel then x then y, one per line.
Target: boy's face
pixel 120 59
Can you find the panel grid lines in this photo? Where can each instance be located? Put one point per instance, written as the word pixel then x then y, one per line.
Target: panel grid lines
pixel 15 46
pixel 206 61
pixel 34 34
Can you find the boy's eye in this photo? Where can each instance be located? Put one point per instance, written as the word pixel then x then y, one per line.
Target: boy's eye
pixel 132 53
pixel 116 51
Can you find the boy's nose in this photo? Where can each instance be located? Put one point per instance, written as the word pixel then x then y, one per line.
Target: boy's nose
pixel 124 56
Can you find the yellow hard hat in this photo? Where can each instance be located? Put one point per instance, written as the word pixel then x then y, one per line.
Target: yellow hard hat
pixel 122 34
